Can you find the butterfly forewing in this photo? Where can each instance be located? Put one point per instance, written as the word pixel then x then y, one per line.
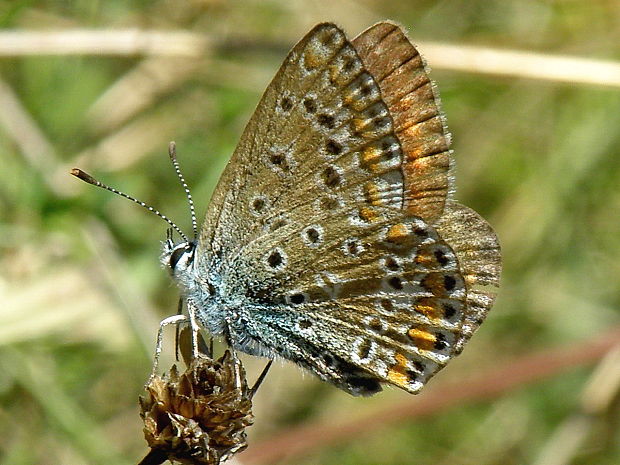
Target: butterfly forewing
pixel 320 132
pixel 330 237
pixel 413 102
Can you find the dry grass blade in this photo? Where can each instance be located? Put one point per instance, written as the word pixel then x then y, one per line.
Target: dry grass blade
pixel 105 42
pixel 109 271
pixel 146 134
pixel 597 399
pixel 140 88
pixel 32 142
pixel 484 60
pixel 47 304
pixel 516 63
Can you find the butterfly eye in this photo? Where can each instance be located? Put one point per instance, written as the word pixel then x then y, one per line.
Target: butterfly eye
pixel 176 256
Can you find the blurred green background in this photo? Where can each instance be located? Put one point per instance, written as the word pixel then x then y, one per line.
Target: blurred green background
pixel 81 289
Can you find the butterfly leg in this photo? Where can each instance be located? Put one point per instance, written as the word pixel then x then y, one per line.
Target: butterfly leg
pixel 171 320
pixel 260 379
pixel 177 332
pixel 195 328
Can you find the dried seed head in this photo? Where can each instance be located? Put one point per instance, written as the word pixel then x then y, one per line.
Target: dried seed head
pixel 199 416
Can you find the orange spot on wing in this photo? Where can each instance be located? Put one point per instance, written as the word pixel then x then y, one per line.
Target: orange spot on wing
pixel 426 183
pixel 371 192
pixel 370 156
pixel 334 73
pixel 422 339
pixel 358 124
pixel 425 259
pixel 348 99
pixel 312 59
pixel 398 233
pixel 368 214
pixel 435 283
pixel 429 308
pixel 397 374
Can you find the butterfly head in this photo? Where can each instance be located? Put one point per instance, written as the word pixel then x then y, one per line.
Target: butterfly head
pixel 178 257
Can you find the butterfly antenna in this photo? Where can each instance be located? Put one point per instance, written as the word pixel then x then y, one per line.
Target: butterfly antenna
pixel 78 173
pixel 172 151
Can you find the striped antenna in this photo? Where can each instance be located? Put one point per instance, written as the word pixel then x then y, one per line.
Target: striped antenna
pixel 78 173
pixel 172 152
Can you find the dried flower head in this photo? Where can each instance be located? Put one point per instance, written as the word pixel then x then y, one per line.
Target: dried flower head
pixel 199 416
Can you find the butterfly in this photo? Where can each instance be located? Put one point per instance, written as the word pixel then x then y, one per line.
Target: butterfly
pixel 332 238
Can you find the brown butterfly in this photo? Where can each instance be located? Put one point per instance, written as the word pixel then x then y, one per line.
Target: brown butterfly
pixel 332 238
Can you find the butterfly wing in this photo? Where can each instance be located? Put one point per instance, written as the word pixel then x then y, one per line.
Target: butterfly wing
pixel 331 234
pixel 321 117
pixel 413 102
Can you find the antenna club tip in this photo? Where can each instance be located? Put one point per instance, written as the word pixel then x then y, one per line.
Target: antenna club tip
pixel 172 150
pixel 78 173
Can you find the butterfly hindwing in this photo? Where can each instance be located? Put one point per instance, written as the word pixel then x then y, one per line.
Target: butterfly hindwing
pixel 478 251
pixel 390 299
